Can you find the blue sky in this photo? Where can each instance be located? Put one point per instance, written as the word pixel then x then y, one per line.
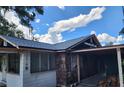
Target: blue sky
pixel 110 23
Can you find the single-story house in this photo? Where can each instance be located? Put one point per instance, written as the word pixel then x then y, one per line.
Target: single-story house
pixel 27 63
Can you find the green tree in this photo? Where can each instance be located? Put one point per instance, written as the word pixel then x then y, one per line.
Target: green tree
pixel 26 14
pixel 122 30
pixel 9 29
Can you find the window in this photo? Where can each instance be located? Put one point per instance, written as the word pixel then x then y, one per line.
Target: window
pixel 42 62
pixel 13 63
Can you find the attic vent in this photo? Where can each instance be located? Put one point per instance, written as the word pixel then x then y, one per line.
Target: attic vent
pixel 4 43
pixel 89 44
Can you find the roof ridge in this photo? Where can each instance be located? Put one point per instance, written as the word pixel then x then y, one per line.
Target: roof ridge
pixel 73 39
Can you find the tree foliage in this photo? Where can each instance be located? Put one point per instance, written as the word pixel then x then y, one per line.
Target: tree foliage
pixel 26 14
pixel 122 31
pixel 9 29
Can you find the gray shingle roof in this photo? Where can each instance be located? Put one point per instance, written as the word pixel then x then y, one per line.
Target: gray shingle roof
pixel 27 43
pixel 69 43
pixel 34 44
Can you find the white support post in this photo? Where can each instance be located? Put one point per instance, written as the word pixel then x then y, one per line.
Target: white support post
pixel 120 67
pixel 22 62
pixel 24 67
pixel 78 68
pixel 4 68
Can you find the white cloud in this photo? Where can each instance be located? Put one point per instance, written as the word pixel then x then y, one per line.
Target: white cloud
pixel 120 38
pixel 106 38
pixel 11 17
pixel 93 32
pixel 34 30
pixel 26 31
pixel 37 20
pixel 54 33
pixel 61 7
pixel 47 25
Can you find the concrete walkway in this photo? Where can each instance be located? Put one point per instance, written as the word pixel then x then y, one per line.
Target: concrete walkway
pixel 91 81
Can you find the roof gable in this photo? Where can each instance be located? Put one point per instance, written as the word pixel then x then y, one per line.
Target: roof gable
pixel 74 42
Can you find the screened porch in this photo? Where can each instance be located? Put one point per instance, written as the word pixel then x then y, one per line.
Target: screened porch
pixel 98 66
pixel 94 67
pixel 9 68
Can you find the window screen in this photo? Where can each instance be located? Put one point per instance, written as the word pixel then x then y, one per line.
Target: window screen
pixel 42 62
pixel 34 62
pixel 13 63
pixel 52 61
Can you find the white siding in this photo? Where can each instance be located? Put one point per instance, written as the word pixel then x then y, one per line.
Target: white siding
pixel 13 80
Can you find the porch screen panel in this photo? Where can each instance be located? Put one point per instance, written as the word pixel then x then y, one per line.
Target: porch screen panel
pixel 74 77
pixel 34 62
pixel 73 62
pixel 13 63
pixel 52 61
pixel 44 61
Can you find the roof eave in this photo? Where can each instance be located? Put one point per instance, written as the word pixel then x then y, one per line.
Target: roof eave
pixel 9 42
